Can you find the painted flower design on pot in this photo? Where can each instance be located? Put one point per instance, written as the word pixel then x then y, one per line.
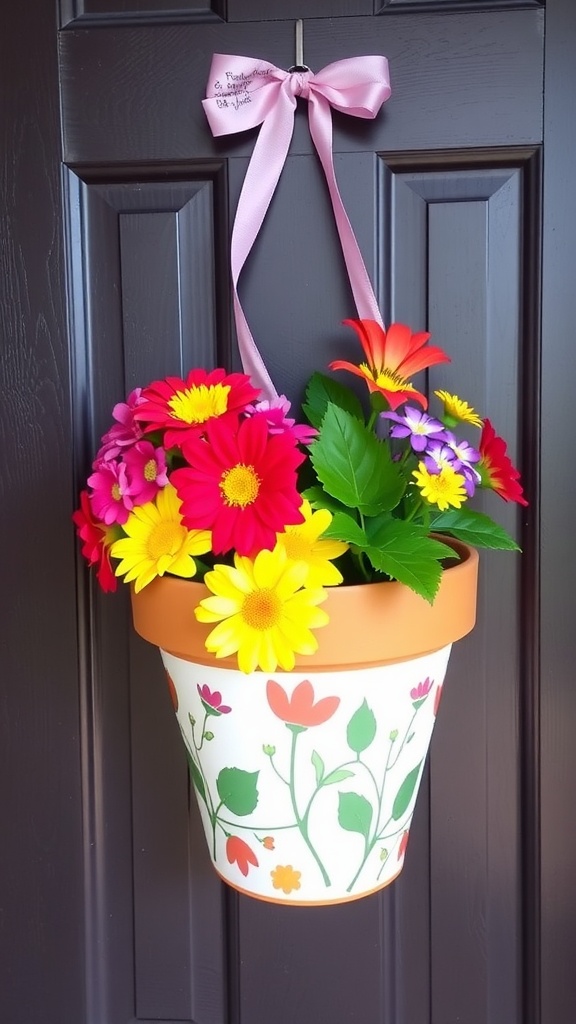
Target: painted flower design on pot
pixel 300 711
pixel 212 701
pixel 420 692
pixel 238 852
pixel 284 877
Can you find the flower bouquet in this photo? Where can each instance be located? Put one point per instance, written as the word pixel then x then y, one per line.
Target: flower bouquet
pixel 247 537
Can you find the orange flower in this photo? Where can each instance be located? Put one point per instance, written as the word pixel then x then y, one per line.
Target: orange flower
pixel 392 357
pixel 237 851
pixel 286 878
pixel 268 842
pixel 300 708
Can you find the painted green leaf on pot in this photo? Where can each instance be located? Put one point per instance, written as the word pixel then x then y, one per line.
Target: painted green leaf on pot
pixel 237 790
pixel 405 793
pixel 338 775
pixel 196 777
pixel 318 766
pixel 354 813
pixel 361 729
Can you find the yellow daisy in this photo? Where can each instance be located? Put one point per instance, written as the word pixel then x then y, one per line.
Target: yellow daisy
pixel 158 542
pixel 456 410
pixel 303 544
pixel 263 614
pixel 443 489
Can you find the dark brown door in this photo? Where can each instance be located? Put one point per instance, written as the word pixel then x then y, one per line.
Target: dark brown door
pixel 117 206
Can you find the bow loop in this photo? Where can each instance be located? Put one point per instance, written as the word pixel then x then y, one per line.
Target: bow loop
pixel 244 92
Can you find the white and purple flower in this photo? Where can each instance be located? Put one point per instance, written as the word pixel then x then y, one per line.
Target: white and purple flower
pixel 417 425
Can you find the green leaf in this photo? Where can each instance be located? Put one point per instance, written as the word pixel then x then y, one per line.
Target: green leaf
pixel 405 793
pixel 406 553
pixel 237 790
pixel 354 466
pixel 361 729
pixel 318 766
pixel 196 776
pixel 473 528
pixel 319 498
pixel 344 527
pixel 338 775
pixel 322 390
pixel 354 813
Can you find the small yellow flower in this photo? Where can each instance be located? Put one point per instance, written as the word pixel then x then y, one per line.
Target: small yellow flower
pixel 263 613
pixel 286 878
pixel 157 541
pixel 303 543
pixel 442 489
pixel 456 410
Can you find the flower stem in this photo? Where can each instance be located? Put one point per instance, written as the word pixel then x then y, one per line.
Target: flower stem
pixel 302 822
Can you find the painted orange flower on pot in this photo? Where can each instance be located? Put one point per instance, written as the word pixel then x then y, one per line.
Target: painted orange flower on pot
pixel 238 852
pixel 286 878
pixel 300 709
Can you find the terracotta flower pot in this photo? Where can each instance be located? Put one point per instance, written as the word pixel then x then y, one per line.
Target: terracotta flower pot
pixel 307 780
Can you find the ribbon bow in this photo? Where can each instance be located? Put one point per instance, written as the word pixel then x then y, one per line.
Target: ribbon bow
pixel 244 92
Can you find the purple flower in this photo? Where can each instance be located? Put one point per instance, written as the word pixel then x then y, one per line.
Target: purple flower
pixel 464 458
pixel 415 424
pixel 438 455
pixel 125 432
pixel 146 467
pixel 212 701
pixel 278 422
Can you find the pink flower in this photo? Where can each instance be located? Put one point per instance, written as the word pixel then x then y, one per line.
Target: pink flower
pixel 111 497
pixel 276 415
pixel 147 473
pixel 212 701
pixel 420 692
pixel 125 432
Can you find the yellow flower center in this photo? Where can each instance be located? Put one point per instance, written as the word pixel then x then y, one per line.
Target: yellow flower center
pixel 165 539
pixel 116 492
pixel 240 485
pixel 386 379
pixel 201 403
pixel 150 470
pixel 261 610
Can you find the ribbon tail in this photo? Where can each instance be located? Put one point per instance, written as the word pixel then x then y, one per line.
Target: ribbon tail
pixel 320 120
pixel 264 170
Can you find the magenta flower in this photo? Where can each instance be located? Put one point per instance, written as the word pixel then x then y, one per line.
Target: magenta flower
pixel 212 701
pixel 278 421
pixel 420 692
pixel 147 473
pixel 415 424
pixel 112 493
pixel 125 432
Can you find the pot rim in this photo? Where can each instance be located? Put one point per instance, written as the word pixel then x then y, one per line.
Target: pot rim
pixel 370 624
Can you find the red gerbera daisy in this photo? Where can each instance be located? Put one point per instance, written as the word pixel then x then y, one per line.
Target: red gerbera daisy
pixel 392 357
pixel 96 539
pixel 241 484
pixel 183 407
pixel 495 468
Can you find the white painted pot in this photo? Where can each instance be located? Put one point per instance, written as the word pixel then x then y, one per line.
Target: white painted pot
pixel 307 780
pixel 307 786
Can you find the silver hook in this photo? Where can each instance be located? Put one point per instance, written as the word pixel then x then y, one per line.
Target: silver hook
pixel 299 65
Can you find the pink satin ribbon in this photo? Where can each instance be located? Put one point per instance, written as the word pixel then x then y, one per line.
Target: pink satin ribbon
pixel 244 92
